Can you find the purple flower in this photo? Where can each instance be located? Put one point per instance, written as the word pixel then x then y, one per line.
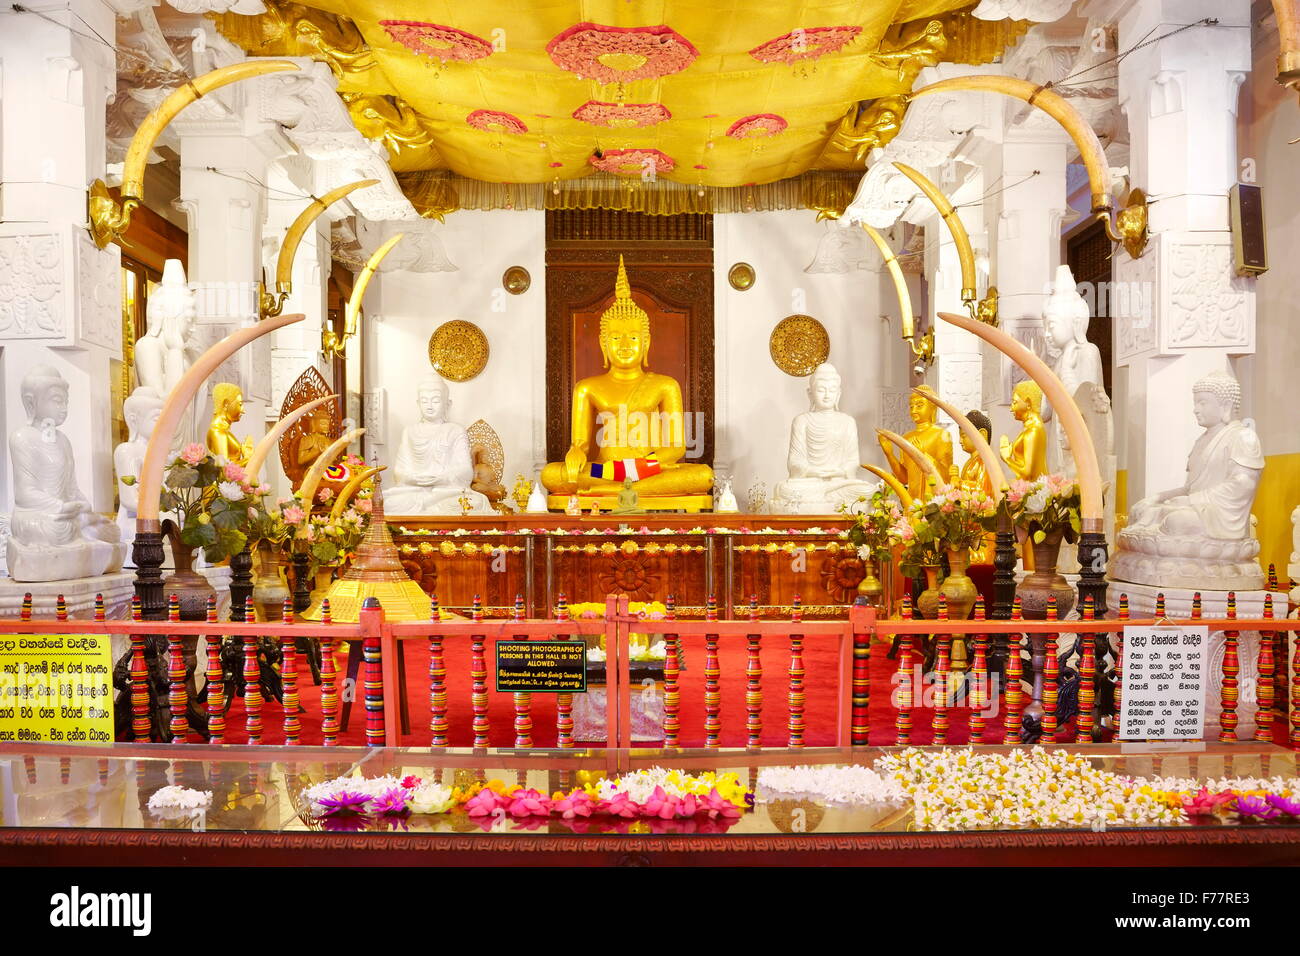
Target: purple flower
pixel 1251 809
pixel 390 802
pixel 345 823
pixel 344 802
pixel 1290 806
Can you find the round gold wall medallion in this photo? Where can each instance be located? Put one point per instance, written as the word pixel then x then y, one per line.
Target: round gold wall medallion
pixel 516 280
pixel 458 350
pixel 799 343
pixel 741 276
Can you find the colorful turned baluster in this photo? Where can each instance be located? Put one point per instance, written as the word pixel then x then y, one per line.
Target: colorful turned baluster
pixel 1051 679
pixel 289 678
pixel 753 683
pixel 1295 692
pixel 372 656
pixel 1272 577
pixel 712 694
pixel 437 679
pixel 329 676
pixel 979 692
pixel 61 609
pixel 943 670
pixel 478 678
pixel 25 612
pixel 1231 668
pixel 139 679
pixel 523 702
pixel 1267 668
pixel 1119 663
pixel 1013 702
pixel 178 698
pixel 672 665
pixel 1196 606
pixel 860 702
pixel 100 618
pixel 1160 606
pixel 215 681
pixel 252 684
pixel 903 718
pixel 796 697
pixel 1087 676
pixel 563 702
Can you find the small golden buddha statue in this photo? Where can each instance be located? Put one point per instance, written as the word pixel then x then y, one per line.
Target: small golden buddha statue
pixel 628 423
pixel 1027 455
pixel 313 442
pixel 228 408
pixel 973 474
pixel 930 438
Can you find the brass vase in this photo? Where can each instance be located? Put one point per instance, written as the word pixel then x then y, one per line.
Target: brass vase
pixel 927 602
pixel 957 587
pixel 1044 581
pixel 269 589
pixel 187 584
pixel 870 587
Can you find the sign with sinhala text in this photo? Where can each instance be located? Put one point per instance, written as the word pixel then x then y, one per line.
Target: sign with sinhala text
pixel 542 667
pixel 56 687
pixel 1164 683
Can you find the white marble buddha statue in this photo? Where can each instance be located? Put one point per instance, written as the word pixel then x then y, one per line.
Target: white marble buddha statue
pixel 1078 362
pixel 1198 536
pixel 434 468
pixel 162 353
pixel 141 410
pixel 55 534
pixel 824 456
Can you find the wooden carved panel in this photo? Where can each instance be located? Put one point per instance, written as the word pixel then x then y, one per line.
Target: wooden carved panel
pixel 309 386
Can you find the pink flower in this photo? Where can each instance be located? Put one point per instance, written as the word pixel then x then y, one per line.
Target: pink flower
pixel 528 803
pixel 661 805
pixel 252 514
pixel 365 505
pixel 234 472
pixel 309 533
pixel 620 806
pixel 293 515
pixel 411 781
pixel 324 495
pixel 193 453
pixel 485 802
pixel 577 804
pixel 715 806
pixel 948 507
pixel 1203 803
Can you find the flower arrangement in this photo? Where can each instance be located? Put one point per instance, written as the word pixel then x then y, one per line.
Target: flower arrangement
pixel 1045 505
pixel 872 521
pixel 911 531
pixel 960 516
pixel 328 541
pixel 215 504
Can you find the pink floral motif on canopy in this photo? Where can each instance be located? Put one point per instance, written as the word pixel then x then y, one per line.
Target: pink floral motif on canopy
pixel 621 54
pixel 807 43
pixel 621 115
pixel 633 162
pixel 760 124
pixel 437 41
pixel 494 121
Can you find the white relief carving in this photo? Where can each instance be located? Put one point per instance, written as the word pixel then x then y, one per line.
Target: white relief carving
pixel 893 410
pixel 1206 305
pixel 1133 300
pixel 32 287
pixel 374 409
pixel 99 281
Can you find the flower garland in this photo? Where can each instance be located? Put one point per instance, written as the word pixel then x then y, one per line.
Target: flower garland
pixel 495 121
pixel 621 54
pixel 622 115
pixel 439 42
pixel 758 125
pixel 808 43
pixel 842 785
pixel 633 162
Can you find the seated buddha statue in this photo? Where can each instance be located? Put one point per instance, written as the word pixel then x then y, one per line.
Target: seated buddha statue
pixel 930 438
pixel 433 467
pixel 55 534
pixel 628 422
pixel 1199 535
pixel 1027 455
pixel 973 474
pixel 823 460
pixel 313 442
pixel 228 408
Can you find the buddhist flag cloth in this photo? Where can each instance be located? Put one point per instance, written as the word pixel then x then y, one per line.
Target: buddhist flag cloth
pixel 634 468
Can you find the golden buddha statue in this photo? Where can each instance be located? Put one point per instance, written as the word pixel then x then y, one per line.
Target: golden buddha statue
pixel 930 438
pixel 312 444
pixel 628 423
pixel 973 474
pixel 1027 455
pixel 228 408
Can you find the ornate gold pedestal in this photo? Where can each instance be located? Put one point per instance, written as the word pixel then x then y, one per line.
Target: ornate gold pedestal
pixel 689 503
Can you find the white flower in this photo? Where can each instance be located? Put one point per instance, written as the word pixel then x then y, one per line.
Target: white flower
pixel 1036 503
pixel 864 553
pixel 180 798
pixel 231 491
pixel 430 798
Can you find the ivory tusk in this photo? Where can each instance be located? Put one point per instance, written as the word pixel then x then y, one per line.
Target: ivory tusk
pixel 898 487
pixel 900 283
pixel 992 465
pixel 353 313
pixel 915 454
pixel 352 487
pixel 965 254
pixel 263 449
pixel 310 481
pixel 292 238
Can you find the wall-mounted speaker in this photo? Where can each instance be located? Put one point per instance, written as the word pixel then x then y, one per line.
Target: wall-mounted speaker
pixel 1246 205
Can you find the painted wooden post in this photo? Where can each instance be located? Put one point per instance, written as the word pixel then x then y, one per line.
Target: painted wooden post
pixel 1051 679
pixel 178 698
pixel 672 665
pixel 563 702
pixel 329 675
pixel 215 680
pixel 371 620
pixel 252 684
pixel 1231 668
pixel 522 702
pixel 1119 663
pixel 904 689
pixel 140 722
pixel 978 698
pixel 753 683
pixel 478 678
pixel 943 670
pixel 712 672
pixel 1266 669
pixel 437 678
pixel 796 698
pixel 289 678
pixel 1013 698
pixel 1087 676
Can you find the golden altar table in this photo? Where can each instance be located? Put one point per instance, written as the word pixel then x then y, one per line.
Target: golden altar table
pixel 645 556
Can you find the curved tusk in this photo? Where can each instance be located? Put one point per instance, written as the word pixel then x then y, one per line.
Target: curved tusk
pixel 363 280
pixel 263 449
pixel 992 466
pixel 965 254
pixel 898 487
pixel 915 454
pixel 1076 429
pixel 1055 106
pixel 178 400
pixel 311 480
pixel 292 238
pixel 352 487
pixel 900 283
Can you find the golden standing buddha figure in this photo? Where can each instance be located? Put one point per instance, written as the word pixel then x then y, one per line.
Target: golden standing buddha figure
pixel 628 419
pixel 973 473
pixel 228 408
pixel 1027 455
pixel 930 438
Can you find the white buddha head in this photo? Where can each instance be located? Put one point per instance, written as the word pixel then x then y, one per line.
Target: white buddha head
pixel 1066 313
pixel 172 309
pixel 433 399
pixel 824 388
pixel 45 396
pixel 141 410
pixel 1215 399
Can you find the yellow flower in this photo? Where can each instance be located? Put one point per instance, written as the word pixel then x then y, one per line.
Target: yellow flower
pixel 205 519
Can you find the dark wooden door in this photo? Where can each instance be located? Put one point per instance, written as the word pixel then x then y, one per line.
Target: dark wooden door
pixel 1088 253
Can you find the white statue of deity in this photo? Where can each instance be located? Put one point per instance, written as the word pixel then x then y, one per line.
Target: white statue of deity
pixel 1199 535
pixel 824 456
pixel 161 355
pixel 55 534
pixel 141 410
pixel 434 469
pixel 1066 317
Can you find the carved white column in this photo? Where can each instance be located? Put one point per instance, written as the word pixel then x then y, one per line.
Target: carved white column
pixel 1180 310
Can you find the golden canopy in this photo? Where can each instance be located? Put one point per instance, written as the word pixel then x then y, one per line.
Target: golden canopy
pixel 709 92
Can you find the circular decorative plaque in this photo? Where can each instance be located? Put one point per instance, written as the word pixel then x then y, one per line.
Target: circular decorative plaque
pixel 516 280
pixel 458 350
pixel 741 276
pixel 799 343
